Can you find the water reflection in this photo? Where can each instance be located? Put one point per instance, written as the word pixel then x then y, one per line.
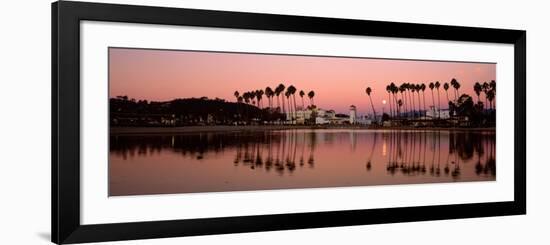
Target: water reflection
pixel 309 158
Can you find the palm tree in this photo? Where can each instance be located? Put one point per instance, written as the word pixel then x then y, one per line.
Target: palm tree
pixel 399 104
pixel 446 87
pixel 287 95
pixel 410 89
pixel 432 86
pixel 292 90
pixel 302 96
pixel 417 88
pixel 259 97
pixel 277 92
pixel 485 88
pixel 491 97
pixel 280 89
pixel 246 98
pixel 456 86
pixel 252 97
pixel 437 84
pixel 236 94
pixel 369 91
pixel 401 90
pixel 477 90
pixel 493 88
pixel 269 95
pixel 423 88
pixel 311 94
pixel 411 94
pixel 388 89
pixel 239 101
pixel 394 90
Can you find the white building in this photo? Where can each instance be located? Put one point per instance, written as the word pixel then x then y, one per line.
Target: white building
pixel 441 114
pixel 364 120
pixel 352 114
pixel 328 116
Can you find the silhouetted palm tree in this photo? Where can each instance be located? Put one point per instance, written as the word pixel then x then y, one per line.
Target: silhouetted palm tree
pixel 388 89
pixel 456 86
pixel 485 88
pixel 287 95
pixel 410 88
pixel 446 87
pixel 432 86
pixel 259 97
pixel 269 95
pixel 394 90
pixel 437 84
pixel 239 101
pixel 246 98
pixel 403 97
pixel 493 87
pixel 417 88
pixel 399 104
pixel 278 91
pixel 292 90
pixel 369 91
pixel 252 97
pixel 311 94
pixel 491 97
pixel 302 96
pixel 477 90
pixel 423 88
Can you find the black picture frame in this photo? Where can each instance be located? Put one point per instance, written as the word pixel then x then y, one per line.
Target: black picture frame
pixel 66 17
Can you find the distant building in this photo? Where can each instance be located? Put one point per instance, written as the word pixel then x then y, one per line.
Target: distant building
pixel 352 114
pixel 321 120
pixel 433 113
pixel 364 120
pixel 322 116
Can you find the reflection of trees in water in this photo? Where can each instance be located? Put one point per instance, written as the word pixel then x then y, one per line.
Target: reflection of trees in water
pixel 410 151
pixel 373 145
pixel 277 150
pixel 193 145
pixel 407 153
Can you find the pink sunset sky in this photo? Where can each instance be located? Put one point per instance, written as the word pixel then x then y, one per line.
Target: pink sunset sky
pixel 162 75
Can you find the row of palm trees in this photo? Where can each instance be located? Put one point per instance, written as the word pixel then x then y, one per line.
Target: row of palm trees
pixel 408 96
pixel 410 152
pixel 255 98
pixel 489 89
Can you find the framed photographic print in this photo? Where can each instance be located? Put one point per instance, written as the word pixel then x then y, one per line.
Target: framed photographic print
pixel 176 122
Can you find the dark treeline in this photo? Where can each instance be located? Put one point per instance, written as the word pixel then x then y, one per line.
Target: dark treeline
pixel 249 108
pixel 185 112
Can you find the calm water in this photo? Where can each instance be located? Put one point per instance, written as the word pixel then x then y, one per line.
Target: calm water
pixel 230 161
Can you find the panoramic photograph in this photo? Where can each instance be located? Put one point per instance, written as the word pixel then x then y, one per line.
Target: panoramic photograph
pixel 183 121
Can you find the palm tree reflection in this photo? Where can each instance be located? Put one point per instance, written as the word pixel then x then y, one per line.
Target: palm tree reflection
pixel 408 153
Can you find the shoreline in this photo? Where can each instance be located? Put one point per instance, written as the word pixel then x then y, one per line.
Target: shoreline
pixel 255 128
